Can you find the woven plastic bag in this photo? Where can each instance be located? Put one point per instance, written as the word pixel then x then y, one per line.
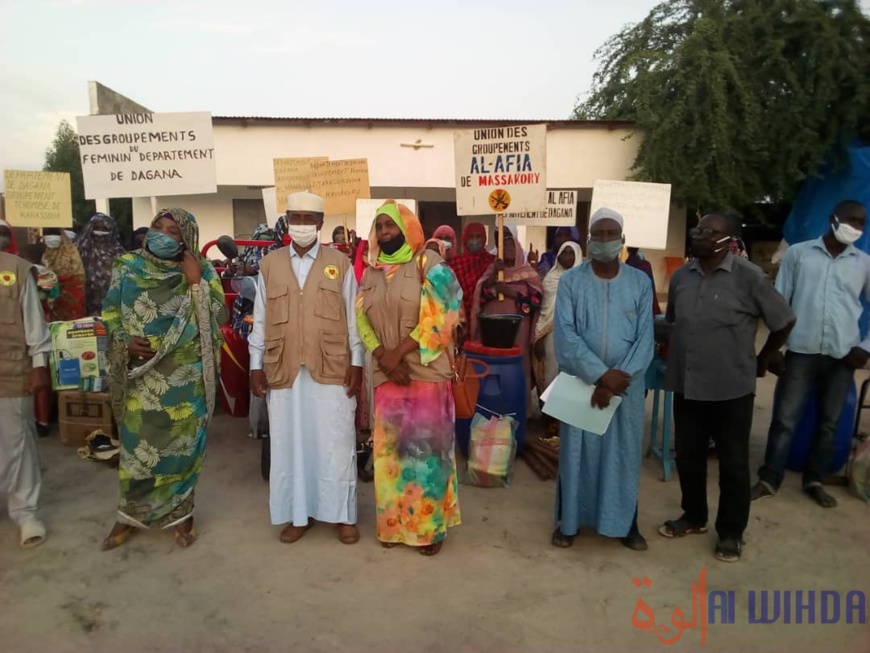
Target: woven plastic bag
pixel 859 471
pixel 492 449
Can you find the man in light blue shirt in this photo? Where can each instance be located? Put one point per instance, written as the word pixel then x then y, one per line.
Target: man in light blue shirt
pixel 823 280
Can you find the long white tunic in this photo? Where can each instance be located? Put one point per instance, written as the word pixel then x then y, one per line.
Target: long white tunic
pixel 311 425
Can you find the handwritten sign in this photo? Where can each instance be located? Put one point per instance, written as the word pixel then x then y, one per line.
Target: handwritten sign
pixel 38 199
pixel 501 169
pixel 644 206
pixel 341 184
pixel 365 214
pixel 293 175
pixel 147 154
pixel 561 211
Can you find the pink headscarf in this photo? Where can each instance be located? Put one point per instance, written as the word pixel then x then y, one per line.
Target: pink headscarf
pixel 445 232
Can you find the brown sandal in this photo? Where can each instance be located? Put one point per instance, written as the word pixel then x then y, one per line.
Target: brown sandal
pixel 184 538
pixel 114 540
pixel 561 540
pixel 432 549
pixel 292 533
pixel 389 545
pixel 348 534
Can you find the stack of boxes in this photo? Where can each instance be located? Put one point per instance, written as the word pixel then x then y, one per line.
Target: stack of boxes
pixel 78 374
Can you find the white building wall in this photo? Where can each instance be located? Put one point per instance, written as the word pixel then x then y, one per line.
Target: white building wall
pixel 576 157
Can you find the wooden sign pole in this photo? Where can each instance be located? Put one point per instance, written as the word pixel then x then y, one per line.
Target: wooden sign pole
pixel 346 232
pixel 501 249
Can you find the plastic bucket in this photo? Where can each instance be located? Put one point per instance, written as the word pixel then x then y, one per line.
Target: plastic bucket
pixel 499 331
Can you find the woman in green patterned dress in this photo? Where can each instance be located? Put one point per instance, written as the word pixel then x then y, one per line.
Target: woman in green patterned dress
pixel 163 313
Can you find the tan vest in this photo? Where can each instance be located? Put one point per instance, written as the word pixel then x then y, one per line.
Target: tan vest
pixel 305 326
pixel 15 363
pixel 393 308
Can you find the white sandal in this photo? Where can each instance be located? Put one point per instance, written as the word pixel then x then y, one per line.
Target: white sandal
pixel 32 534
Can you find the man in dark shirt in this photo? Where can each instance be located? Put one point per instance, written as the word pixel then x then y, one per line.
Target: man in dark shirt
pixel 715 303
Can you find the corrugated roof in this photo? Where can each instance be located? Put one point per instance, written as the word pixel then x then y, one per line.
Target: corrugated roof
pixel 420 122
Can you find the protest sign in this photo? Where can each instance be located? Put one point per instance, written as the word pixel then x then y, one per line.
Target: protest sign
pixel 561 211
pixel 147 154
pixel 500 169
pixel 38 199
pixel 644 206
pixel 293 175
pixel 341 184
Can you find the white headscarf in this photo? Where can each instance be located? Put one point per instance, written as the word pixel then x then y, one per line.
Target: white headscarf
pixel 551 285
pixel 605 213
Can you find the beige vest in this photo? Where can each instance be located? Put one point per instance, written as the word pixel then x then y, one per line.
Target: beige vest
pixel 393 308
pixel 305 326
pixel 15 363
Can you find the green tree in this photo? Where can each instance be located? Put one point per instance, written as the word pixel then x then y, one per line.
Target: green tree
pixel 64 156
pixel 737 101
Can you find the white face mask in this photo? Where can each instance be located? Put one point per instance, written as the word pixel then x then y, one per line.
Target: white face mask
pixel 846 233
pixel 101 234
pixel 302 234
pixel 70 234
pixel 727 239
pixel 52 242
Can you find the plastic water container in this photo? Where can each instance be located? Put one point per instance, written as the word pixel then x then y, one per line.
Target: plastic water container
pixel 806 428
pixel 502 392
pixel 233 391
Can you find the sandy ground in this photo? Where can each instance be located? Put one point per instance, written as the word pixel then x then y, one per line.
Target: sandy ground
pixel 497 586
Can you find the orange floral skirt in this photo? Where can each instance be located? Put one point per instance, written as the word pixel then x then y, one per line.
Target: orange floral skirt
pixel 415 467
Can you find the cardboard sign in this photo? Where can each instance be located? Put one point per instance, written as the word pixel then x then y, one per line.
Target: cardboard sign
pixel 38 199
pixel 645 207
pixel 501 169
pixel 365 214
pixel 292 176
pixel 147 154
pixel 561 212
pixel 341 184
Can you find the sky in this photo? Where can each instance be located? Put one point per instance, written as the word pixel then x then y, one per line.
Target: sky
pixel 516 59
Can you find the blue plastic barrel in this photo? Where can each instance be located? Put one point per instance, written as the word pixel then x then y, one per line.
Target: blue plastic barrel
pixel 806 428
pixel 502 391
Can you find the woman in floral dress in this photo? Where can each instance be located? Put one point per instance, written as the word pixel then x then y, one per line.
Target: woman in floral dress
pixel 406 310
pixel 162 312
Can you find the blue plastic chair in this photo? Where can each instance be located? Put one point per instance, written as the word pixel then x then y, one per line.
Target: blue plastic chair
pixel 655 381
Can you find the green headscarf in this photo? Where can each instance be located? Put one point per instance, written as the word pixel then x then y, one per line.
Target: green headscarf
pixel 404 253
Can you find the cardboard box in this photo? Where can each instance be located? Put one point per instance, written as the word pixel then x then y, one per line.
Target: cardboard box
pixel 78 354
pixel 79 413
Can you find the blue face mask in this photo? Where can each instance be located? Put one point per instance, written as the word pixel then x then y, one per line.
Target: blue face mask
pixel 161 245
pixel 606 251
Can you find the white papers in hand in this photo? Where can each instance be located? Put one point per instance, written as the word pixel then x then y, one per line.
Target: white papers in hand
pixel 569 400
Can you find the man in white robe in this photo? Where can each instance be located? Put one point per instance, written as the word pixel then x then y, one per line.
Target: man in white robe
pixel 306 359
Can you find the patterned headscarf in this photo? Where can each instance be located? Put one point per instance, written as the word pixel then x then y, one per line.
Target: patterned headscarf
pixel 280 232
pixel 66 263
pixel 186 226
pixel 97 254
pixel 410 226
